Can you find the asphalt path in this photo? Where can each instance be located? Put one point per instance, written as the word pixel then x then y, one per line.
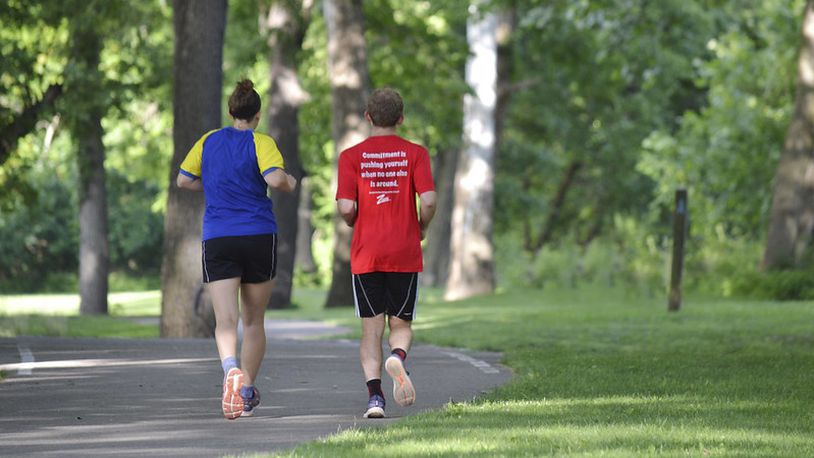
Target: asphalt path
pixel 115 397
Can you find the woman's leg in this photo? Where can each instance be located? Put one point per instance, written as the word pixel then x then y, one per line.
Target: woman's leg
pixel 224 301
pixel 254 299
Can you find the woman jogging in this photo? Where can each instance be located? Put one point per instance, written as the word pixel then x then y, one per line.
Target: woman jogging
pixel 234 166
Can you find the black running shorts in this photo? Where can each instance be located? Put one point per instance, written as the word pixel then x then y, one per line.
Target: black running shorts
pixel 253 258
pixel 394 293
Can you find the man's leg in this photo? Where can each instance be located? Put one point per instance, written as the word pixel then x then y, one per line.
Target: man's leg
pixel 254 299
pixel 401 333
pixel 370 354
pixel 401 336
pixel 370 346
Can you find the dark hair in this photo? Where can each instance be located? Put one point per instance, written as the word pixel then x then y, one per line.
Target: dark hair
pixel 385 107
pixel 244 102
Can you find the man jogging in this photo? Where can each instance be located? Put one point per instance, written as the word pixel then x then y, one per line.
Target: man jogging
pixel 378 181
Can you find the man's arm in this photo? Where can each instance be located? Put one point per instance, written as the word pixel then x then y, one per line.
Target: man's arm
pixel 347 210
pixel 186 182
pixel 280 180
pixel 427 210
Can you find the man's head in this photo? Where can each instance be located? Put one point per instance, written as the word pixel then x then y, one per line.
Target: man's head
pixel 385 108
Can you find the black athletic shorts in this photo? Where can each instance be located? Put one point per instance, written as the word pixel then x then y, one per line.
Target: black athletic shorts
pixel 394 293
pixel 253 258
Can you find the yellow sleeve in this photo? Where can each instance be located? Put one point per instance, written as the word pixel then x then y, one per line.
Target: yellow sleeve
pixel 268 156
pixel 191 166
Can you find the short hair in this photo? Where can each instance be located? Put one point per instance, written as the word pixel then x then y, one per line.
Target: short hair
pixel 244 102
pixel 385 107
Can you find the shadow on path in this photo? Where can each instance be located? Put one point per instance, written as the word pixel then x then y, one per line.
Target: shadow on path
pixel 102 397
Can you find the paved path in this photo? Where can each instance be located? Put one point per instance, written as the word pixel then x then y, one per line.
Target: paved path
pixel 105 397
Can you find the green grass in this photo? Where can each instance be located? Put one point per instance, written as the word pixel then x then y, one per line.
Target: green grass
pixel 57 315
pixel 600 373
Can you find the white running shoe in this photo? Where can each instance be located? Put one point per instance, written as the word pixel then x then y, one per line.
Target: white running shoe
pixel 232 402
pixel 403 391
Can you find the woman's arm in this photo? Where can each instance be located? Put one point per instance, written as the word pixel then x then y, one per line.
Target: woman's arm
pixel 281 181
pixel 185 182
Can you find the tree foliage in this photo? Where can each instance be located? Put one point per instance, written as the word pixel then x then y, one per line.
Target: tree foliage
pixel 614 104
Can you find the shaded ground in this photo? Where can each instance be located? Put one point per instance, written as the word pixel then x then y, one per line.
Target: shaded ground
pixel 103 397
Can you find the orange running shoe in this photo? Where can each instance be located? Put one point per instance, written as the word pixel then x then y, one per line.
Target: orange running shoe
pixel 403 391
pixel 232 402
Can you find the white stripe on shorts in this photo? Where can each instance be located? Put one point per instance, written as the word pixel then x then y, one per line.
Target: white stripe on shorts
pixel 273 252
pixel 407 296
pixel 356 300
pixel 203 256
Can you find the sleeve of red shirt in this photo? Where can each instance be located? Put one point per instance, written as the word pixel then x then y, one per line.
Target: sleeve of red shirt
pixel 422 178
pixel 346 180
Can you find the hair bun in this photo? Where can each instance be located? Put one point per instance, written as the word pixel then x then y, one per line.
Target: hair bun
pixel 245 85
pixel 244 102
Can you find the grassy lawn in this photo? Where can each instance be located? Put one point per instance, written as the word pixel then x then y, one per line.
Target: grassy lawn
pixel 598 373
pixel 57 315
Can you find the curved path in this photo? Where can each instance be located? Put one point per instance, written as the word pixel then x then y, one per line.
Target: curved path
pixel 103 397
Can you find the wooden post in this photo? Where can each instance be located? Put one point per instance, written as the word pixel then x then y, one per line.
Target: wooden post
pixel 679 234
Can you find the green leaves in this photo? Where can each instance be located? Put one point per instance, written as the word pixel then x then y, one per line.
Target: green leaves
pixel 726 152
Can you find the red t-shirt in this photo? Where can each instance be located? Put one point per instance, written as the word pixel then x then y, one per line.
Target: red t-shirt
pixel 383 174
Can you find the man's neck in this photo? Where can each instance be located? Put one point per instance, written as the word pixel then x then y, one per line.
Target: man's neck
pixel 378 131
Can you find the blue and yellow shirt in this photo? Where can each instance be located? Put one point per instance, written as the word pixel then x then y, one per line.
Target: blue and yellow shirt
pixel 232 164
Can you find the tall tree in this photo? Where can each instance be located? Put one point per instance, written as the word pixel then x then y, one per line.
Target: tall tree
pixel 86 87
pixel 284 23
pixel 304 255
pixel 792 215
pixel 439 234
pixel 186 310
pixel 472 251
pixel 350 85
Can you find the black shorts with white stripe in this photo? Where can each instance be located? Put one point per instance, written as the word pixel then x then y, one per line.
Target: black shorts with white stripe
pixel 394 293
pixel 253 258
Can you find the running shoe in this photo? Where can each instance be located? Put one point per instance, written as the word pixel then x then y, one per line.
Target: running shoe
pixel 232 403
pixel 403 391
pixel 375 407
pixel 250 402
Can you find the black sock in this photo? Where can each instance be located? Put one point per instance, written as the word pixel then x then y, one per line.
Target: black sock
pixel 374 387
pixel 400 353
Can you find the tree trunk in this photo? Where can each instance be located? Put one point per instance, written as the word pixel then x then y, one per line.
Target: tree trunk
pixel 350 83
pixel 186 310
pixel 94 256
pixel 305 229
pixel 86 129
pixel 792 215
pixel 534 244
pixel 472 255
pixel 26 121
pixel 284 24
pixel 506 22
pixel 437 251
